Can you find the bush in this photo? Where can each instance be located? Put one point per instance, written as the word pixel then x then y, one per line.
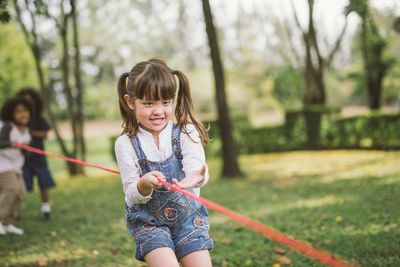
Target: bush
pixel 378 131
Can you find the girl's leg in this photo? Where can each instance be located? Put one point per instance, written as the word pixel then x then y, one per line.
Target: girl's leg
pixel 200 258
pixel 162 257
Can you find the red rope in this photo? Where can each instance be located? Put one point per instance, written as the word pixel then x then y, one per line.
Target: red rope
pixel 319 255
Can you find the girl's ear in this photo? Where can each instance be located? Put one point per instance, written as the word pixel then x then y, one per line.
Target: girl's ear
pixel 129 101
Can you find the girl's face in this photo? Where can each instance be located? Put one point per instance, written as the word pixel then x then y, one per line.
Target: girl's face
pixel 153 115
pixel 21 115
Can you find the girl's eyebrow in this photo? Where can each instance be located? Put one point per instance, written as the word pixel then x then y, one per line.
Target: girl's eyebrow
pixel 162 100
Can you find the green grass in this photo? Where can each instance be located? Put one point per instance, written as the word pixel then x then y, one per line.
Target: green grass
pixel 344 202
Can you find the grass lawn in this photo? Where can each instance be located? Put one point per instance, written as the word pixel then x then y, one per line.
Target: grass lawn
pixel 344 202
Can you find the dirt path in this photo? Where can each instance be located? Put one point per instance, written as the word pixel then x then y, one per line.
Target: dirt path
pixel 92 128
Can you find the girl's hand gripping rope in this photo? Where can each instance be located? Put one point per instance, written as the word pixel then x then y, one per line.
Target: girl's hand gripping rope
pixel 149 181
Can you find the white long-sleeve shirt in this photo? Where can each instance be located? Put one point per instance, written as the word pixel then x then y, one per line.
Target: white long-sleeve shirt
pixel 11 158
pixel 191 148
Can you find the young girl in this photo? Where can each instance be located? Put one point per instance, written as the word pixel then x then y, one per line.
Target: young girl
pixel 13 129
pixel 35 164
pixel 167 226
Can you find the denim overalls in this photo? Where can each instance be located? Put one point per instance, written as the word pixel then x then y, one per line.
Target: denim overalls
pixel 169 219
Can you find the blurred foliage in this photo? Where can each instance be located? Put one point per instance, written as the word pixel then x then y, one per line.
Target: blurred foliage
pixel 4 13
pixel 374 131
pixel 259 76
pixel 17 65
pixel 381 44
pixel 288 86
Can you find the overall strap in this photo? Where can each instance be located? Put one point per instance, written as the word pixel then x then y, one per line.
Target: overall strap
pixel 176 142
pixel 142 159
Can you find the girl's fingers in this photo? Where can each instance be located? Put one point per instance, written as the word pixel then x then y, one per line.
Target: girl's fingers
pixel 176 182
pixel 158 175
pixel 157 184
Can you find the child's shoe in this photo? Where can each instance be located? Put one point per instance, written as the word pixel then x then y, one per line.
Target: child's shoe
pixel 2 229
pixel 11 229
pixel 46 216
pixel 46 210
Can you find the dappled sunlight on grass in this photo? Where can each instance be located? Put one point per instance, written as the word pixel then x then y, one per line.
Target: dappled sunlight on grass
pixel 315 163
pixel 391 180
pixel 52 257
pixel 300 203
pixel 370 229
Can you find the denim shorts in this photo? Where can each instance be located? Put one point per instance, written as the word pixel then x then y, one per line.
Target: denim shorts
pixel 179 223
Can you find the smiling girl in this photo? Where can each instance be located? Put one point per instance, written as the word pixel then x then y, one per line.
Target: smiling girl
pixel 168 228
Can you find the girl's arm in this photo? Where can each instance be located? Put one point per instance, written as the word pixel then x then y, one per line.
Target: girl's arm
pixel 39 134
pixel 129 170
pixel 194 159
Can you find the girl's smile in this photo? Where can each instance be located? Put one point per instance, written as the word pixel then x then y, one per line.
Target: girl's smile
pixel 153 115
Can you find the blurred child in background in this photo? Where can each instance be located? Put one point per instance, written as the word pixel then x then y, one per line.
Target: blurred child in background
pixel 36 164
pixel 15 115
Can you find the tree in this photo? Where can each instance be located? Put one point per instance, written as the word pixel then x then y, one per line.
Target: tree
pixel 314 68
pixel 4 14
pixel 31 16
pixel 315 64
pixel 230 167
pixel 373 47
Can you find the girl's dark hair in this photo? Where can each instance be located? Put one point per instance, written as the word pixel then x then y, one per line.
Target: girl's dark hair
pixel 7 111
pixel 33 96
pixel 154 80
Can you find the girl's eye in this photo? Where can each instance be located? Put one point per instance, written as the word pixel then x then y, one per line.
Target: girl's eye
pixel 147 104
pixel 167 102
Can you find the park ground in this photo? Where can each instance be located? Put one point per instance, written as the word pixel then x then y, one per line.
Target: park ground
pixel 344 202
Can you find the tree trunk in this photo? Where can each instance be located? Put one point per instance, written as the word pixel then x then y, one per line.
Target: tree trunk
pixel 78 83
pixel 230 163
pixel 315 65
pixel 372 49
pixel 75 169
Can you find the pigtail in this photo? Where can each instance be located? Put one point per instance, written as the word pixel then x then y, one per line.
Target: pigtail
pixel 184 111
pixel 129 124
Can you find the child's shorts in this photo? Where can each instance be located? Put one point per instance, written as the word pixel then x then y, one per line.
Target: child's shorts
pixel 45 180
pixel 191 234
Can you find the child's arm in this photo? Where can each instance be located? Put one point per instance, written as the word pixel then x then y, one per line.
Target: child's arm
pixel 40 127
pixel 40 134
pixel 136 191
pixel 194 160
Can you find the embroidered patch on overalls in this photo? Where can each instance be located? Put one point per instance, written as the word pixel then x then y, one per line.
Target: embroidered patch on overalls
pixel 199 222
pixel 170 213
